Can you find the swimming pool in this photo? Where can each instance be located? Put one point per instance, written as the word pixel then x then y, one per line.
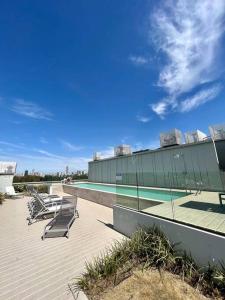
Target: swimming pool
pixel 141 192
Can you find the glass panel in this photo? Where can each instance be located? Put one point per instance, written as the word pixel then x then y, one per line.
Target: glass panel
pixel 199 175
pixel 178 183
pixel 127 182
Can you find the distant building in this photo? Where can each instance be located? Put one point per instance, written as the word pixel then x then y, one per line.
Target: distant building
pixel 26 173
pixel 67 170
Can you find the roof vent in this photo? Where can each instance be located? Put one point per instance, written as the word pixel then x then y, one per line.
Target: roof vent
pixel 171 138
pixel 97 156
pixel 195 136
pixel 122 150
pixel 217 132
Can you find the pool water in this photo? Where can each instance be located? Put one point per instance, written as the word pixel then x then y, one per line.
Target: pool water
pixel 140 192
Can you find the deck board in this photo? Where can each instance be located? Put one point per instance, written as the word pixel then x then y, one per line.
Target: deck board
pixel 202 210
pixel 34 269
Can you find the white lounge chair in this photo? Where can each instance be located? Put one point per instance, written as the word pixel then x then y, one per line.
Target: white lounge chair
pixel 10 191
pixel 41 210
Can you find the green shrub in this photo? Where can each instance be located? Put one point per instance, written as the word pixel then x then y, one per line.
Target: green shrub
pixel 20 188
pixel 42 188
pixel 148 248
pixel 2 198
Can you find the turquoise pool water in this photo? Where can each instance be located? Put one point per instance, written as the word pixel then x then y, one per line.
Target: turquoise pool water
pixel 155 194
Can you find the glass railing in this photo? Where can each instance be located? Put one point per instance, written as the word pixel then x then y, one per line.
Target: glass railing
pixel 183 192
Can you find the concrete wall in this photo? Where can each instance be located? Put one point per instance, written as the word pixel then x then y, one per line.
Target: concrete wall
pixel 204 247
pixel 5 180
pixel 102 198
pixel 189 165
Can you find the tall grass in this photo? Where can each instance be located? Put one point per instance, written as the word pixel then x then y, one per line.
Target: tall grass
pixel 148 248
pixel 41 188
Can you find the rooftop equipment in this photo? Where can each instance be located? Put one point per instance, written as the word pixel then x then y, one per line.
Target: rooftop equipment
pixel 97 156
pixel 171 138
pixel 217 132
pixel 195 136
pixel 122 150
pixel 7 167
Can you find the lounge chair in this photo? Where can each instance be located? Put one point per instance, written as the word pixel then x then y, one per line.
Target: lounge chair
pixel 41 210
pixel 61 223
pixel 47 202
pixel 32 191
pixel 45 199
pixel 10 191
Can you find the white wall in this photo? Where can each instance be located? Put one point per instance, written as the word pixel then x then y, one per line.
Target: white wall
pixel 205 247
pixel 5 180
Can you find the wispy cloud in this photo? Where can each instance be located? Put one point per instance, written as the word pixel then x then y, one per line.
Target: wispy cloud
pixel 48 154
pixel 31 110
pixel 70 147
pixel 188 33
pixel 143 119
pixel 12 145
pixel 40 159
pixel 199 98
pixel 108 152
pixel 139 60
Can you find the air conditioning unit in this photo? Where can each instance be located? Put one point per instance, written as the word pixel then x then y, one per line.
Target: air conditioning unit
pixel 174 137
pixel 7 167
pixel 97 156
pixel 122 150
pixel 217 132
pixel 195 136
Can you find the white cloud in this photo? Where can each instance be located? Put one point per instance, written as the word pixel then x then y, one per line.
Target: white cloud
pixel 31 110
pixel 108 152
pixel 160 108
pixel 68 146
pixel 139 60
pixel 189 33
pixel 142 146
pixel 143 119
pixel 198 99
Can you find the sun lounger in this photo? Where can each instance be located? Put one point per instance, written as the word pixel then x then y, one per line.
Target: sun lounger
pixel 45 199
pixel 61 223
pixel 41 210
pixel 32 191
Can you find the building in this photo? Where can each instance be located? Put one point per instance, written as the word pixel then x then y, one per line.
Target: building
pixel 7 172
pixel 199 165
pixel 67 170
pixel 26 173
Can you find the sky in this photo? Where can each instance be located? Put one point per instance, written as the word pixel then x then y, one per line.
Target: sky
pixel 82 76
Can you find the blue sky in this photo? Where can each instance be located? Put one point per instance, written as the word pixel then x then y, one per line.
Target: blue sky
pixel 83 76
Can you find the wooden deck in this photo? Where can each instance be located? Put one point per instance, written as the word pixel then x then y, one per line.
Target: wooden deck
pixel 202 210
pixel 34 269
